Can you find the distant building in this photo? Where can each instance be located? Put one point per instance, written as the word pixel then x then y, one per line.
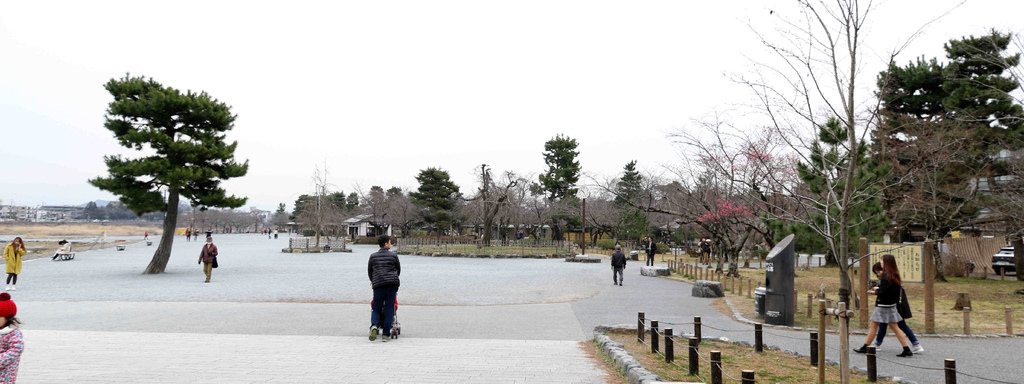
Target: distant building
pixel 359 226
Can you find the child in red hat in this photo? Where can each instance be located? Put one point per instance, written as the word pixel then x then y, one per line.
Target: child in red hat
pixel 11 343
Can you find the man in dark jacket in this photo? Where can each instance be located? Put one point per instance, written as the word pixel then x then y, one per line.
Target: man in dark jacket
pixel 383 269
pixel 618 264
pixel 652 248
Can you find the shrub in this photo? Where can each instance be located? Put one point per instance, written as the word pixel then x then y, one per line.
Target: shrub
pixel 956 267
pixel 365 240
pixel 606 243
pixel 308 232
pixel 663 248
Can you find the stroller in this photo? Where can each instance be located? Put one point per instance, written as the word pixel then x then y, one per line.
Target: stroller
pixel 396 327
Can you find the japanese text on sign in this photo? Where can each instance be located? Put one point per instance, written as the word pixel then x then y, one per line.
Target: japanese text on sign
pixel 909 259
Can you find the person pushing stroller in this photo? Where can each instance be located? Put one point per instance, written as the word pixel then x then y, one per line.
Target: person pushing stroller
pixel 383 269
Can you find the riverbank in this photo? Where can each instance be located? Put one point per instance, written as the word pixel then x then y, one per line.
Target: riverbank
pixel 75 230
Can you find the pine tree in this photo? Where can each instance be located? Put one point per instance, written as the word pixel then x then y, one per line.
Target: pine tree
pixel 628 190
pixel 436 197
pixel 183 139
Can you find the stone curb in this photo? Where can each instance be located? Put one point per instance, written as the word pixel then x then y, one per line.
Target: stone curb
pixel 476 256
pixel 626 363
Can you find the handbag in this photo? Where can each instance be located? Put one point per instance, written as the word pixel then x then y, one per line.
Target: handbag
pixel 903 307
pixel 215 261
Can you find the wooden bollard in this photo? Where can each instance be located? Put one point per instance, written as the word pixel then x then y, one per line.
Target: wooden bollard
pixel 669 348
pixel 747 376
pixel 1009 321
pixel 758 338
pixel 741 286
pixel 716 367
pixel 1002 273
pixel 950 368
pixel 696 328
pixel 732 285
pixel 828 319
pixel 694 364
pixel 750 291
pixel 814 349
pixel 872 366
pixel 810 301
pixel 640 326
pixel 967 320
pixel 821 341
pixel 796 302
pixel 654 336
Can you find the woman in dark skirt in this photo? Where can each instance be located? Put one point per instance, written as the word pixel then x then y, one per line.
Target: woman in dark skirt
pixel 888 296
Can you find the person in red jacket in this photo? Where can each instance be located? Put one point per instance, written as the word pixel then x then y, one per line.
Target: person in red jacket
pixel 208 256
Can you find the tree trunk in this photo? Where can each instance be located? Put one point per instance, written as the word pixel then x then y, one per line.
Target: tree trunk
pixel 163 251
pixel 1018 256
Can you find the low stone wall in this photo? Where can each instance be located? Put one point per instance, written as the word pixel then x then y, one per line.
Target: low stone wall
pixel 583 259
pixel 653 271
pixel 482 256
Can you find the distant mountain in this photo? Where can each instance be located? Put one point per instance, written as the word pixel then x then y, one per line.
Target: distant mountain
pixel 99 203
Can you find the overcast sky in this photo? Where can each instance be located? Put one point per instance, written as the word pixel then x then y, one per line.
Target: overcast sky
pixel 378 90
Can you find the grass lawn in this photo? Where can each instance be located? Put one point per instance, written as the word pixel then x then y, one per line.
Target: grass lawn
pixel 768 366
pixel 989 299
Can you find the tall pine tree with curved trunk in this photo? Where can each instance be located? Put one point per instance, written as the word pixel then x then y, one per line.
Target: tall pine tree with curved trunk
pixel 184 154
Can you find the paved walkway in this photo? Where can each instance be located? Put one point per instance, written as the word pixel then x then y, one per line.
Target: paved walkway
pixel 273 317
pixel 150 357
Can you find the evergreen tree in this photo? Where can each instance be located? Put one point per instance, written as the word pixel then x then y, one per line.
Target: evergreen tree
pixel 828 155
pixel 559 181
pixel 436 197
pixel 184 137
pixel 629 190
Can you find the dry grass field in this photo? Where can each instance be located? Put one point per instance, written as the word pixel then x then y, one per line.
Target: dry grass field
pixel 77 230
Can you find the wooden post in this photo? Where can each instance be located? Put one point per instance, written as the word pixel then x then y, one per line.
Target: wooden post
pixel 640 326
pixel 967 320
pixel 950 368
pixel 741 287
pixel 747 376
pixel 929 288
pixel 844 343
pixel 796 302
pixel 669 348
pixel 758 338
pixel 1002 273
pixel 654 336
pixel 696 328
pixel 732 285
pixel 1009 321
pixel 863 277
pixel 750 290
pixel 694 364
pixel 821 341
pixel 828 319
pixel 716 367
pixel 814 349
pixel 810 305
pixel 872 367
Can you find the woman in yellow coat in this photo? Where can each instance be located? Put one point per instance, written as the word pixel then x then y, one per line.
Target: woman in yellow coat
pixel 12 255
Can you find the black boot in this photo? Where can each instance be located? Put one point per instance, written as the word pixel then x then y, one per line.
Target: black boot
pixel 906 352
pixel 862 349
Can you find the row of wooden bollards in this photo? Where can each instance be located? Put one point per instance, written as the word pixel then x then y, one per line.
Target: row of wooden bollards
pixel 817 347
pixel 693 345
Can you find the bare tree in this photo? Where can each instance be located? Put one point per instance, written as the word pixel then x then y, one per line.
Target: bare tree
pixel 375 204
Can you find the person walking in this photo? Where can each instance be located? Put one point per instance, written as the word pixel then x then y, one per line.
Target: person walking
pixel 146 237
pixel 903 307
pixel 11 342
pixel 383 268
pixel 188 234
pixel 618 264
pixel 705 251
pixel 208 257
pixel 13 254
pixel 888 296
pixel 652 248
